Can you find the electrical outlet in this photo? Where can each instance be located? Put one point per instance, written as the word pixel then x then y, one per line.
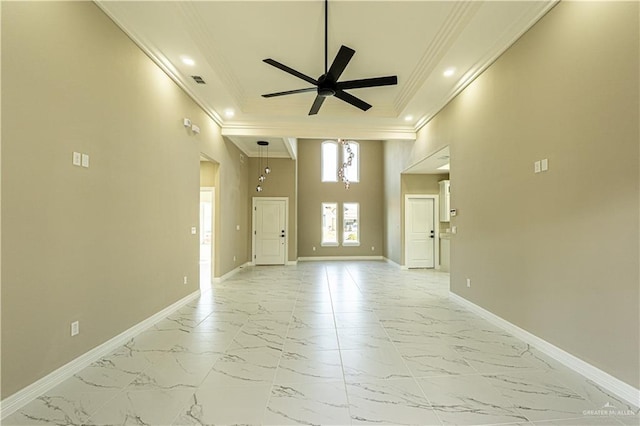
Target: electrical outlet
pixel 373 248
pixel 184 279
pixel 536 167
pixel 234 258
pixel 468 282
pixel 544 164
pixel 75 328
pixel 314 248
pixel 77 158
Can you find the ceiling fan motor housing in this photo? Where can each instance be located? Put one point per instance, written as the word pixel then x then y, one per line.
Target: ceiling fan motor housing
pixel 326 86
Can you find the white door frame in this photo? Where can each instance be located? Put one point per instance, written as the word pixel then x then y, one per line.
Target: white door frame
pixel 254 202
pixel 436 221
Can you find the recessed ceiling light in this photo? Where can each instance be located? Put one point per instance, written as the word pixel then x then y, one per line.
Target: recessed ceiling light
pixel 188 61
pixel 408 118
pixel 449 72
pixel 229 113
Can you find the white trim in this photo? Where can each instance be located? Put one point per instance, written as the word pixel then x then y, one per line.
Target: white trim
pixel 607 381
pixel 292 262
pixel 321 258
pixel 436 228
pixel 14 402
pixel 230 273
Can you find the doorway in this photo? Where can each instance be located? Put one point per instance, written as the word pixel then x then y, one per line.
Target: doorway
pixel 270 221
pixel 207 211
pixel 209 178
pixel 421 233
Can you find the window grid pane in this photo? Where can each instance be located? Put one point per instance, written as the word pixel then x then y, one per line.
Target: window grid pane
pixel 350 219
pixel 329 223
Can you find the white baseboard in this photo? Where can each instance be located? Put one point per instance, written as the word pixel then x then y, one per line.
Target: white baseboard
pixel 230 273
pixel 393 263
pixel 14 402
pixel 321 258
pixel 607 381
pixel 292 262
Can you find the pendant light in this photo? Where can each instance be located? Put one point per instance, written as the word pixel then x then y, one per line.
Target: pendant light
pixel 262 173
pixel 348 161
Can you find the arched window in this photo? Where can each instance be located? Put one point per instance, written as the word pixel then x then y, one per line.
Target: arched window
pixel 329 165
pixel 335 155
pixel 352 171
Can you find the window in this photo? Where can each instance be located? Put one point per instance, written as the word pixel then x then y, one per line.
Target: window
pixel 350 224
pixel 332 159
pixel 352 170
pixel 329 224
pixel 329 161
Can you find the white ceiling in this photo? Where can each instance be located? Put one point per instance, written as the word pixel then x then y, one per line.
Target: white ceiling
pixel 415 40
pixel 431 164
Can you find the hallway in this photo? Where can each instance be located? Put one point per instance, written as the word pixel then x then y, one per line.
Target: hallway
pixel 326 343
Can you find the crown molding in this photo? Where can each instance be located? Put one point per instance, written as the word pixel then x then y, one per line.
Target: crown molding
pixel 318 131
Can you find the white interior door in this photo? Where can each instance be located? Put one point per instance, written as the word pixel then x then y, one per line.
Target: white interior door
pixel 270 231
pixel 420 232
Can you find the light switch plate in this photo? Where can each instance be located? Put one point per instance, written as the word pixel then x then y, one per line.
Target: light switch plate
pixel 194 230
pixel 536 167
pixel 77 158
pixel 85 160
pixel 544 165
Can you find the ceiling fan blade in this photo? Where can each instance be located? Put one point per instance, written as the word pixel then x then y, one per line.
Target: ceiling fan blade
pixel 350 99
pixel 341 61
pixel 290 92
pixel 368 82
pixel 316 105
pixel 290 71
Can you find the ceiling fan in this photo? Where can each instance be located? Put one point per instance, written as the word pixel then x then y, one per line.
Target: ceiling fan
pixel 327 84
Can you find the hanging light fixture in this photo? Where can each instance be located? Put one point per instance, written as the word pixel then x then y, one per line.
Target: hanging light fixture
pixel 267 170
pixel 342 171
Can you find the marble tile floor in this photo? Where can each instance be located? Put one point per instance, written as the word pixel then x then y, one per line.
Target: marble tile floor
pixel 327 343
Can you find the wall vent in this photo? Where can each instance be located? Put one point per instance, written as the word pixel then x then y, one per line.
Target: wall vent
pixel 198 79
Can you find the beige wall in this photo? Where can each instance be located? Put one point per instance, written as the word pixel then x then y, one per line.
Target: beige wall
pixel 107 245
pixel 312 193
pixel 208 174
pixel 555 253
pixel 396 157
pixel 281 182
pixel 421 183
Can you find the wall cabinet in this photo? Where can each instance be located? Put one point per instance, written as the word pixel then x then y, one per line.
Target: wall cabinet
pixel 445 194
